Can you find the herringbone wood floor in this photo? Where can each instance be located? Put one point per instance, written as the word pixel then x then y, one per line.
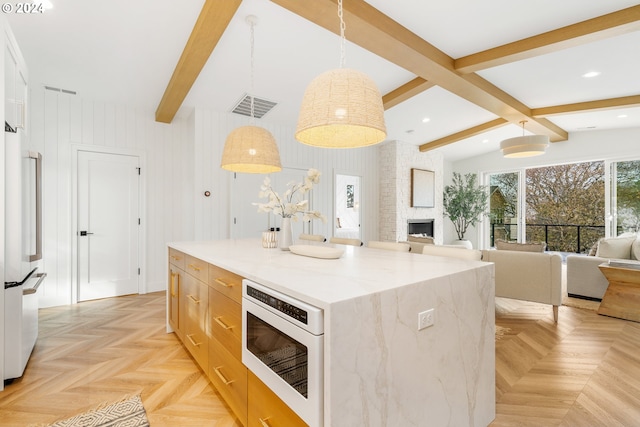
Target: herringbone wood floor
pixel 584 371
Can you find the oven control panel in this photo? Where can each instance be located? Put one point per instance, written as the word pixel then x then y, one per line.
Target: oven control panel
pixel 282 306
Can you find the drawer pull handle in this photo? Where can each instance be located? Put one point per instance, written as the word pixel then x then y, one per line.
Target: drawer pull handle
pixel 175 258
pixel 194 299
pixel 173 286
pixel 196 344
pixel 223 283
pixel 194 267
pixel 264 422
pixel 221 323
pixel 222 378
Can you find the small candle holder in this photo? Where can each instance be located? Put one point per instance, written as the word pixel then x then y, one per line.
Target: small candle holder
pixel 269 239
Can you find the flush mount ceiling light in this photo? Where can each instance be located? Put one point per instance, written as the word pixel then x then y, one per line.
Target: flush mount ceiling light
pixel 525 145
pixel 251 149
pixel 341 108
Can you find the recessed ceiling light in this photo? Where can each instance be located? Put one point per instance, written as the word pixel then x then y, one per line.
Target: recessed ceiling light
pixel 623 116
pixel 591 74
pixel 426 120
pixel 484 141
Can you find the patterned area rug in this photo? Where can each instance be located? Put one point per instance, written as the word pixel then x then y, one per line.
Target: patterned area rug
pixel 128 412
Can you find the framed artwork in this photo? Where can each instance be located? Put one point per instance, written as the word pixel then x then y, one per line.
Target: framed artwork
pixel 422 188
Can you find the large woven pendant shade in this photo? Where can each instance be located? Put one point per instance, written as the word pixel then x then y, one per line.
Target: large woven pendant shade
pixel 251 149
pixel 341 108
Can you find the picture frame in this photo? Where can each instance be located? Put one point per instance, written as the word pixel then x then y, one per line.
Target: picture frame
pixel 422 188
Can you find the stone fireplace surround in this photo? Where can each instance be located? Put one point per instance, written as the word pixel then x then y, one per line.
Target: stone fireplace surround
pixel 396 160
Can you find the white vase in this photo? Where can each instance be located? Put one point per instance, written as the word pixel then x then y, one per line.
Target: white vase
pixel 285 239
pixel 464 242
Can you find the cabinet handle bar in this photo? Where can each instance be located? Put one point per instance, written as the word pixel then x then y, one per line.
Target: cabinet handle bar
pixel 221 323
pixel 223 283
pixel 222 377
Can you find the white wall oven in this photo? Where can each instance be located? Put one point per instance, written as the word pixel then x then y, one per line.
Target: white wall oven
pixel 283 344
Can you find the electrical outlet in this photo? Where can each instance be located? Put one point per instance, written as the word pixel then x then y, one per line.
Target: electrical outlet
pixel 425 319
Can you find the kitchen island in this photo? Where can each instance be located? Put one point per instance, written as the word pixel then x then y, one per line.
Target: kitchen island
pixel 379 369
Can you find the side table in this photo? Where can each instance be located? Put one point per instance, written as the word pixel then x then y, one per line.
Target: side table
pixel 622 297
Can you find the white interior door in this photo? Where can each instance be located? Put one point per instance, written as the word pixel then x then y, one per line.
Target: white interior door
pixel 108 225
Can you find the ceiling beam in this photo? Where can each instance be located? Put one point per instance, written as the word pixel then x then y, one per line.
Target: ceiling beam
pixel 211 24
pixel 580 107
pixel 406 91
pixel 467 133
pixel 376 32
pixel 591 30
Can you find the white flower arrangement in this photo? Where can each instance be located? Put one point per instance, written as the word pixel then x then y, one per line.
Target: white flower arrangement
pixel 292 202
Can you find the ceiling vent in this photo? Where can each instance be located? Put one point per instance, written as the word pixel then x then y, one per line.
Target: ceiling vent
pixel 56 89
pixel 260 106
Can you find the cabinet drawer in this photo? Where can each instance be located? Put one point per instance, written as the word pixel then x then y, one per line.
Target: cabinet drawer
pixel 176 258
pixel 226 322
pixel 226 282
pixel 266 409
pixel 197 268
pixel 229 376
pixel 196 300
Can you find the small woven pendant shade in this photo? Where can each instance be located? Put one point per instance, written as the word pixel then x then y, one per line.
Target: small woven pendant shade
pixel 251 149
pixel 341 108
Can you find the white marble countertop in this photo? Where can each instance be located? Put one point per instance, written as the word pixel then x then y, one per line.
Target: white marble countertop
pixel 359 272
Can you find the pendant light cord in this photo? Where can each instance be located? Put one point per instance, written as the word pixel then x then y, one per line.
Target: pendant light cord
pixel 342 38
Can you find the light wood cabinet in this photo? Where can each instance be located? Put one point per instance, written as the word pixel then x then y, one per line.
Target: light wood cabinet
pixel 175 303
pixel 205 311
pixel 266 409
pixel 226 322
pixel 229 376
pixel 195 326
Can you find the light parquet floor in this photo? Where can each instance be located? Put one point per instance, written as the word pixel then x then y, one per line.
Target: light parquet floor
pixel 99 351
pixel 584 371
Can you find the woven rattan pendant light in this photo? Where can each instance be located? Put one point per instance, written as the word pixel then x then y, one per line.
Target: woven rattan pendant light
pixel 251 149
pixel 525 145
pixel 341 108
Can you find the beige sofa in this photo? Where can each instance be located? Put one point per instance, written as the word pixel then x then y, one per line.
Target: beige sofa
pixel 585 279
pixel 529 276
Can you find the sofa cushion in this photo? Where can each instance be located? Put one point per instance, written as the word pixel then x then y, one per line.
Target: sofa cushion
pixel 522 247
pixel 616 247
pixel 635 249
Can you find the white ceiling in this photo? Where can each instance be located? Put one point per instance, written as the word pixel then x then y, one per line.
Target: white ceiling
pixel 125 51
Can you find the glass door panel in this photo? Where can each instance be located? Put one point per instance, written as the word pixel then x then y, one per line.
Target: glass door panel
pixel 503 207
pixel 626 196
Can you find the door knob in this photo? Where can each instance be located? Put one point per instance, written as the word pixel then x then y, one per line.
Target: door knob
pixel 84 233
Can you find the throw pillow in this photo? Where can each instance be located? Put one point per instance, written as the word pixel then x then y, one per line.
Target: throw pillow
pixel 594 248
pixel 503 245
pixel 615 247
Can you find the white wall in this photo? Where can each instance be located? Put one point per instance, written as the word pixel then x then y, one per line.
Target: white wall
pixel 618 144
pixel 396 160
pixel 181 160
pixel 59 121
pixel 211 215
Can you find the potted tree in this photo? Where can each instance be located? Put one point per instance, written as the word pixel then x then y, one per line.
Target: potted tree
pixel 464 203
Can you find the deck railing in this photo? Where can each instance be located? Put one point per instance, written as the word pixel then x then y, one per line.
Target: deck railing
pixel 577 238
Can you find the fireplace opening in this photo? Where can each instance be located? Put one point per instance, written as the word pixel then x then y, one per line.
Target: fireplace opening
pixel 420 226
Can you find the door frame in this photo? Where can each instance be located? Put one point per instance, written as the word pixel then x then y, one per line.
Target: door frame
pixel 142 209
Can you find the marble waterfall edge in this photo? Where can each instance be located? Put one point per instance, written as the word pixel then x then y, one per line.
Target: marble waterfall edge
pixel 387 373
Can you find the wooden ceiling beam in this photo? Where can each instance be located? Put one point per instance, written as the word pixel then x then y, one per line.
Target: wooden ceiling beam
pixel 376 32
pixel 406 91
pixel 599 28
pixel 467 133
pixel 211 24
pixel 580 107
